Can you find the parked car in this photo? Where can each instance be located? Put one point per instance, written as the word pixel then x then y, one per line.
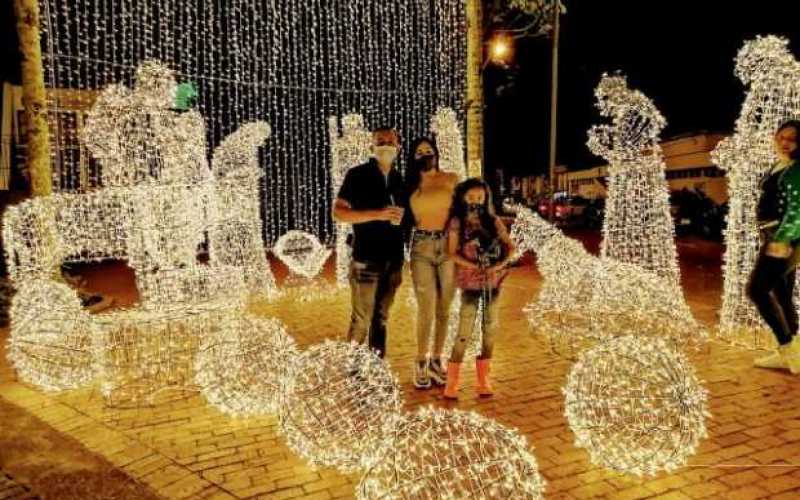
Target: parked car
pixel 695 213
pixel 566 210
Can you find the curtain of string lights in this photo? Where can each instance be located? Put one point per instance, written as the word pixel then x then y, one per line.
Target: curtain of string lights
pixel 290 63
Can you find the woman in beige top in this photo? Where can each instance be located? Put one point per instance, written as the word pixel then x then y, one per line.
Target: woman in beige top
pixel 430 196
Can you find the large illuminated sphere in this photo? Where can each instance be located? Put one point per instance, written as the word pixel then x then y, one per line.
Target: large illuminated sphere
pixel 50 340
pixel 339 403
pixel 437 453
pixel 241 368
pixel 636 405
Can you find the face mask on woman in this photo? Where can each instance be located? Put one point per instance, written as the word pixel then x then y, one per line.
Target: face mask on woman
pixel 426 163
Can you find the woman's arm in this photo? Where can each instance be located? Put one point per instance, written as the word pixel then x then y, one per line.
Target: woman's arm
pixel 453 237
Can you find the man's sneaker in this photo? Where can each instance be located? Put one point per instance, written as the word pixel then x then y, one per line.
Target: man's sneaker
pixel 421 378
pixel 437 372
pixel 772 361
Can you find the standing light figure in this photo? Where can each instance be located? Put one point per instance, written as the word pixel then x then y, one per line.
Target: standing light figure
pixel 339 404
pixel 636 406
pixel 585 298
pixel 773 75
pixel 436 453
pixel 350 148
pixel 638 226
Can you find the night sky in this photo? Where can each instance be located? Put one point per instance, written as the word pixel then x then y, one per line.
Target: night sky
pixel 679 53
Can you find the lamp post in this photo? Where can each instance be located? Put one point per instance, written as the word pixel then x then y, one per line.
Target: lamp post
pixel 554 107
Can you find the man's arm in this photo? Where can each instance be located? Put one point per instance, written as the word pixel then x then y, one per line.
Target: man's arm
pixel 343 212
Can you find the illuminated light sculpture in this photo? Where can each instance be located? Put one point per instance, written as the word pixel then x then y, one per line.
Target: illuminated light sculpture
pixel 436 453
pixel 638 226
pixel 585 298
pixel 51 344
pixel 636 405
pixel 242 367
pixel 160 201
pixel 350 148
pixel 772 74
pixel 236 237
pixel 339 404
pixel 302 253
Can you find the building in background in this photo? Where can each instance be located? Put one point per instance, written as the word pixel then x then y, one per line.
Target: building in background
pixel 689 166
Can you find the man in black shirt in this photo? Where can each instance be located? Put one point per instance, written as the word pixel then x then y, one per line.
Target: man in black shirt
pixel 371 198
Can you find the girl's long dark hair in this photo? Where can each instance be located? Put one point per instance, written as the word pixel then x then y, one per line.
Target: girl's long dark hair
pixel 413 174
pixel 458 210
pixel 795 124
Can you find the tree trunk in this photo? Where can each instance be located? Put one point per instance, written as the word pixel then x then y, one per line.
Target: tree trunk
pixel 474 101
pixel 34 98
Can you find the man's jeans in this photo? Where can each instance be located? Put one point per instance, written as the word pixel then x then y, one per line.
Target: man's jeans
pixel 372 287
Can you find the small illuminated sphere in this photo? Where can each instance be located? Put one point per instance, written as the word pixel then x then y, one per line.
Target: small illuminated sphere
pixel 636 405
pixel 500 49
pixel 241 369
pixel 50 340
pixel 437 453
pixel 339 404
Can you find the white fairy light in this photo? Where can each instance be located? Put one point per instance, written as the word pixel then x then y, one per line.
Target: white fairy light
pixel 638 226
pixel 436 453
pixel 585 298
pixel 446 129
pixel 350 148
pixel 236 238
pixel 51 342
pixel 636 405
pixel 242 366
pixel 288 63
pixel 773 75
pixel 339 403
pixel 302 253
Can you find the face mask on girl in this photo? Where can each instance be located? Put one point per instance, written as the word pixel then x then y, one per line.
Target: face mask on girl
pixel 385 154
pixel 475 208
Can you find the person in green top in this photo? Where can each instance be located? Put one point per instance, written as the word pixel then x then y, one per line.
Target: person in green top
pixel 772 282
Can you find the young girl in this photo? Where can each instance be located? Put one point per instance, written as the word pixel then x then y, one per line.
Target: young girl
pixel 772 281
pixel 480 246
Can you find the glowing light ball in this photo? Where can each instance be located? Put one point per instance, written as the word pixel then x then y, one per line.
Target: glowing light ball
pixel 50 340
pixel 436 453
pixel 302 253
pixel 636 406
pixel 241 369
pixel 339 404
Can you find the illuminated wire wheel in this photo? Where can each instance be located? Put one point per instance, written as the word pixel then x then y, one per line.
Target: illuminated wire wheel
pixel 437 453
pixel 636 405
pixel 339 404
pixel 50 340
pixel 241 369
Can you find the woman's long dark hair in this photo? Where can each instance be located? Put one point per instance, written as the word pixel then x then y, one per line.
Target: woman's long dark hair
pixel 413 173
pixel 458 210
pixel 795 124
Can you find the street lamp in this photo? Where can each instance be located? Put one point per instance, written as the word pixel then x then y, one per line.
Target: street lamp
pixel 501 49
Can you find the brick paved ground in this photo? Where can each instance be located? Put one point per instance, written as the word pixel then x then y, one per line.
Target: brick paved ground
pixel 189 450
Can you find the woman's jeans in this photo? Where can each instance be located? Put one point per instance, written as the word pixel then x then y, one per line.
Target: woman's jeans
pixel 470 307
pixel 433 274
pixel 771 288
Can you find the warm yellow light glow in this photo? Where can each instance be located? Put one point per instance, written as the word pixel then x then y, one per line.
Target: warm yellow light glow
pixel 500 49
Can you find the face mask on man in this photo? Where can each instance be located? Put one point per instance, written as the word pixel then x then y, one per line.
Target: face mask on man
pixel 385 154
